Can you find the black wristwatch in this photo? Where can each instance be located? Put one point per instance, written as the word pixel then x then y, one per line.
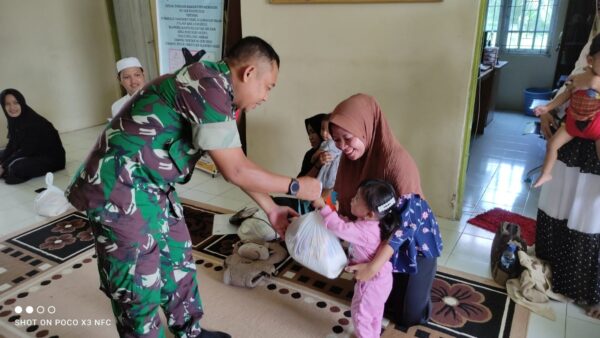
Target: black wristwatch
pixel 294 187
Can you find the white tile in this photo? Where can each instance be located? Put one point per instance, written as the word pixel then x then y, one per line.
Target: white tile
pixel 215 186
pixel 531 206
pixel 505 197
pixel 477 231
pixel 18 198
pixel 251 204
pixel 578 312
pixel 449 239
pixel 510 207
pixel 196 195
pixel 198 177
pixel 474 245
pixel 470 264
pixel 227 203
pixel 581 328
pixel 237 194
pixel 451 224
pixel 471 254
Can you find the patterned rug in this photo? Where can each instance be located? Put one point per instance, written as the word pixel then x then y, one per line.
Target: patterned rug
pixel 463 305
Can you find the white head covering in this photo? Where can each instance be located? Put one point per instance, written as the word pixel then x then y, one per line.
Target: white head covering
pixel 128 63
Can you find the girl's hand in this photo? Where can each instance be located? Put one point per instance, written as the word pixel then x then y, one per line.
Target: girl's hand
pixel 540 110
pixel 315 158
pixel 324 158
pixel 319 203
pixel 547 124
pixel 362 271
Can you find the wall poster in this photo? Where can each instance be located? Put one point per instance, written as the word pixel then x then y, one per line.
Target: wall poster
pixel 194 24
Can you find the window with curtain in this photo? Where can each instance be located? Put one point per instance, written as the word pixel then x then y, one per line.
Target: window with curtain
pixel 520 26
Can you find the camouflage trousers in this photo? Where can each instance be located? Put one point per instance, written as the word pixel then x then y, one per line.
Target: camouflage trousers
pixel 145 261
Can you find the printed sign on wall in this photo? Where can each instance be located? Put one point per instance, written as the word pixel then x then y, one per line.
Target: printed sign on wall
pixel 194 24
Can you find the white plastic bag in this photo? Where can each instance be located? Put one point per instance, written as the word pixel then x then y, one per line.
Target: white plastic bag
pixel 312 245
pixel 52 201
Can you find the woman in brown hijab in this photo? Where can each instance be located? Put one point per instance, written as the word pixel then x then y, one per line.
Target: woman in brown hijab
pixel 371 151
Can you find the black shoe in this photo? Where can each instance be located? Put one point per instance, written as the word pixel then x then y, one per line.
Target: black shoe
pixel 213 334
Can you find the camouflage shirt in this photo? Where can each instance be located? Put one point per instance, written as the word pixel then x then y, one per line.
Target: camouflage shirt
pixel 157 138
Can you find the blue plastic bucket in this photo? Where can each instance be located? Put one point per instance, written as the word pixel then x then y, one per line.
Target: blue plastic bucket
pixel 531 94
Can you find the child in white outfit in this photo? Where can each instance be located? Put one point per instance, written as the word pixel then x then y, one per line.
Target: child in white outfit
pixel 372 206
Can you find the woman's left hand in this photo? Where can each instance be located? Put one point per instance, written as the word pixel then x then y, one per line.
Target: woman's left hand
pixel 362 271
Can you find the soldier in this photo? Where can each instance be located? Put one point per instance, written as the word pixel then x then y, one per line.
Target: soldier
pixel 127 184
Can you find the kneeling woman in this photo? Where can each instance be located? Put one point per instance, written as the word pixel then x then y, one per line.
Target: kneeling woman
pixel 34 147
pixel 371 151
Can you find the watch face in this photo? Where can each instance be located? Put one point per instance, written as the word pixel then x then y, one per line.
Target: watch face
pixel 294 187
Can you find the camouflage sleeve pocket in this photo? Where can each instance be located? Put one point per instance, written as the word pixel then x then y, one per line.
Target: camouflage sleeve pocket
pixel 220 135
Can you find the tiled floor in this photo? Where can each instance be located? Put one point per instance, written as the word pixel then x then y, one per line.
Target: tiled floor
pixel 498 163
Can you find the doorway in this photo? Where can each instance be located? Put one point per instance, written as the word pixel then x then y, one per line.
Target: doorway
pixel 503 158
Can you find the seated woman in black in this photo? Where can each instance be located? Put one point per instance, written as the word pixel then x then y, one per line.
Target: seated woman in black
pixel 310 164
pixel 34 147
pixel 311 158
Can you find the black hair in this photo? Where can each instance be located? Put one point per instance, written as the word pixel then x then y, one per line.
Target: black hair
pixel 595 46
pixel 315 122
pixel 380 197
pixel 249 47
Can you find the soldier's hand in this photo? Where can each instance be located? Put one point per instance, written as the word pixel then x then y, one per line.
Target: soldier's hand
pixel 310 188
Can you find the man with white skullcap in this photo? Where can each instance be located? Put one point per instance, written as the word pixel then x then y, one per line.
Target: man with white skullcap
pixel 131 76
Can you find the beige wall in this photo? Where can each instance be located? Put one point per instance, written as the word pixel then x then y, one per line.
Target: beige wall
pixel 59 54
pixel 416 59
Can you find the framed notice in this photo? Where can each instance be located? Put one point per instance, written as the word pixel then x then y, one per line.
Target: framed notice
pixel 194 24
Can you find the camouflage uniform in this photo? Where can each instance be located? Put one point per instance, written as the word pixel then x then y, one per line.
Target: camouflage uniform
pixel 127 187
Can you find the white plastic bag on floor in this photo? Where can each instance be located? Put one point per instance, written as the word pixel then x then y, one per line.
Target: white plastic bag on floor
pixel 52 201
pixel 257 228
pixel 312 245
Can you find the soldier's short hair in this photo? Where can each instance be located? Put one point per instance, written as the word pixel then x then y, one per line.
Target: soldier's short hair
pixel 250 47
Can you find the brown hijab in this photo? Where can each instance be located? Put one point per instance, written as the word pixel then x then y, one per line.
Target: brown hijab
pixel 384 157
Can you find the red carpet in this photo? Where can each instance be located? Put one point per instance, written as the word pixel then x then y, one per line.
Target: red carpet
pixel 491 220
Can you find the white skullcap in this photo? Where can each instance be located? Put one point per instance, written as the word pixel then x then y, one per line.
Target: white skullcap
pixel 128 63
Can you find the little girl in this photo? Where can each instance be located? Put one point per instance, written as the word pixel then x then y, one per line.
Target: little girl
pixel 372 206
pixel 581 117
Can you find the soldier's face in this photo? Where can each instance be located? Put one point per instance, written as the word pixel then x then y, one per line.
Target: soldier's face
pixel 255 84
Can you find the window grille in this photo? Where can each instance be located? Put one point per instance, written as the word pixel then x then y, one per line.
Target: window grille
pixel 521 26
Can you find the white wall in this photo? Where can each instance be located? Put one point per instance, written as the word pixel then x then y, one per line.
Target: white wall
pixel 415 58
pixel 59 54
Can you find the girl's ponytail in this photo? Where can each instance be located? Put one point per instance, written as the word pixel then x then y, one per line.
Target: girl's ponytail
pixel 389 222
